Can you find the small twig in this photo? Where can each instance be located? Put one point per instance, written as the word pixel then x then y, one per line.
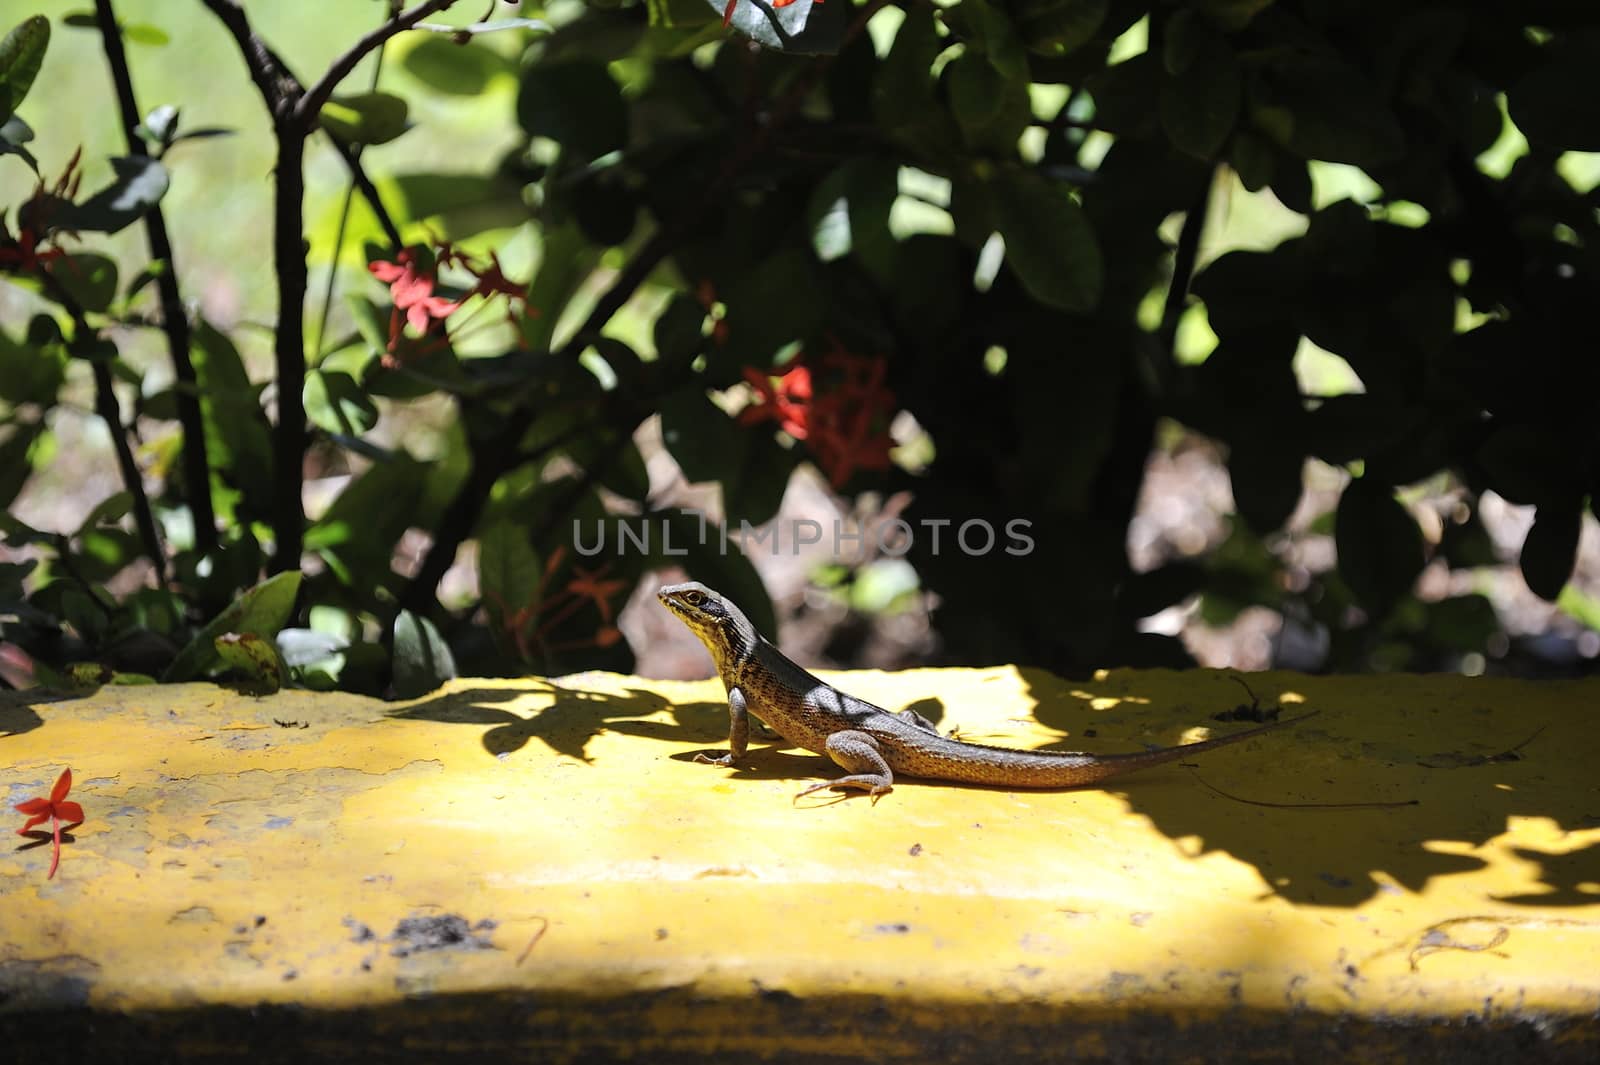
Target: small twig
pixel 174 319
pixel 1305 805
pixel 1508 755
pixel 1183 263
pixel 310 104
pixel 543 928
pixel 368 190
pixel 352 158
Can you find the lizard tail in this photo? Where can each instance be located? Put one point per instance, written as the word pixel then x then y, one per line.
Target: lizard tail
pixel 975 763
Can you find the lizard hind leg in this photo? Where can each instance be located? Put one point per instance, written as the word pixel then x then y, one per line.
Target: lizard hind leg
pixel 858 754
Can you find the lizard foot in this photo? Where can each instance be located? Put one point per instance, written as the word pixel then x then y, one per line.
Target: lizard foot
pixel 872 785
pixel 726 759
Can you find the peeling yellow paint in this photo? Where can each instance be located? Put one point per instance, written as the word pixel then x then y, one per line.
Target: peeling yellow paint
pixel 556 836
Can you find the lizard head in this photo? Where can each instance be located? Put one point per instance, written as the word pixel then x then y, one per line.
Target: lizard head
pixel 719 624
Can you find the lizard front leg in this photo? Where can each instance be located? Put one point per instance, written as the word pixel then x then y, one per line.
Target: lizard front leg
pixel 738 731
pixel 858 753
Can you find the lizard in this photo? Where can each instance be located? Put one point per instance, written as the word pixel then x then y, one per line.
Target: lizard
pixel 870 743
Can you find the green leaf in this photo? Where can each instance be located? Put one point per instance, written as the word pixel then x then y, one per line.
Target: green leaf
pixel 1056 27
pixel 238 440
pixel 1379 545
pixel 14 133
pixel 1267 479
pixel 1462 622
pixel 576 103
pixel 990 34
pixel 15 469
pixel 1323 108
pixel 357 534
pixel 1049 243
pixel 1200 102
pixel 710 447
pixel 449 68
pixel 110 510
pixel 254 656
pixel 140 183
pixel 142 33
pixel 977 95
pixel 679 330
pixel 902 89
pixel 1551 550
pixel 30 373
pixel 849 212
pixel 336 403
pixel 1252 158
pixel 263 610
pixel 508 569
pixel 1527 464
pixel 21 55
pixel 89 278
pixel 565 260
pixel 1356 426
pixel 366 118
pixel 422 660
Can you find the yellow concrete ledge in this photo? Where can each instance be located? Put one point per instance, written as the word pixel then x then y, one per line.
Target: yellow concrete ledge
pixel 537 868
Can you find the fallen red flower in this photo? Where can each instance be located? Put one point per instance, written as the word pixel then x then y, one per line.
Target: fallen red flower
pixel 56 809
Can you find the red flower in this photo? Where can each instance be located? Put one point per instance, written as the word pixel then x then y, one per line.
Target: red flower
pixel 843 419
pixel 491 280
pixel 588 585
pixel 785 404
pixel 412 292
pixel 56 809
pixel 24 252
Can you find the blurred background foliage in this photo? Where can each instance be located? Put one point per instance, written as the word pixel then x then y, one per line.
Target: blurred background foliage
pixel 1263 333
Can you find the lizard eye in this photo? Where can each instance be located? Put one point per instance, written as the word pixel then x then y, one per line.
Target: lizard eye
pixel 694 598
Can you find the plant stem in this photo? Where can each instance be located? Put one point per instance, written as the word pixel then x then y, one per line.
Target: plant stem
pixel 110 411
pixel 174 319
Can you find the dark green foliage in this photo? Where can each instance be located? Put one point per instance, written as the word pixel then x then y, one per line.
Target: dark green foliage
pixel 948 215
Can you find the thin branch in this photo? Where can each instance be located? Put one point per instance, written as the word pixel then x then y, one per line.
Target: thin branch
pixel 368 190
pixel 1183 263
pixel 358 175
pixel 1305 805
pixel 289 350
pixel 174 319
pixel 280 91
pixel 309 105
pixel 278 87
pixel 109 409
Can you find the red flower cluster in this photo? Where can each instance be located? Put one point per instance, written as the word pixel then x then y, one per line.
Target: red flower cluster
pixel 411 278
pixel 586 586
pixel 844 426
pixel 56 809
pixel 33 222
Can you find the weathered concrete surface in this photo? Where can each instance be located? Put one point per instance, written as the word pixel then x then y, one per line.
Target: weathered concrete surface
pixel 537 868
